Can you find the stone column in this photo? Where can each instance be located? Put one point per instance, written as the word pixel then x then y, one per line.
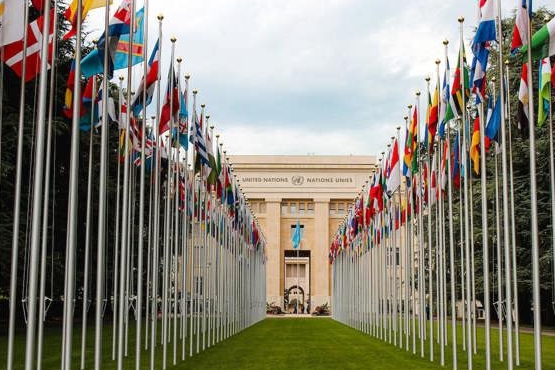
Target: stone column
pixel 273 264
pixel 319 263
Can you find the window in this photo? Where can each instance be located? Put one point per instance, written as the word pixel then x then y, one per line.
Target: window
pixel 310 208
pixel 284 209
pixel 302 206
pixel 262 208
pixel 293 207
pixel 294 270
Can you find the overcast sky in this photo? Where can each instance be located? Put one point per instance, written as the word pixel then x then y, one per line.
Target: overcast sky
pixel 309 76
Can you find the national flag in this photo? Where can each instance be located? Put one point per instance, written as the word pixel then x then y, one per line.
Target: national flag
pixel 211 171
pixel 394 179
pixel 475 145
pixel 494 121
pixel 544 94
pixel 111 106
pixel 13 53
pixel 478 73
pixel 454 108
pixel 120 24
pixel 89 115
pixel 151 78
pixel 198 140
pixel 444 167
pixel 523 121
pixel 444 101
pixel 456 167
pixel 520 29
pixel 183 117
pixel 406 158
pixel 543 41
pixel 486 27
pixel 71 13
pixel 433 118
pixel 171 103
pixel 121 58
pixel 433 179
pixel 221 176
pixel 296 238
pixel 414 140
pixel 38 4
pixel 70 87
pixel 12 24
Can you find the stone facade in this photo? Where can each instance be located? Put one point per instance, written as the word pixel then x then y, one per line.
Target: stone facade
pixel 316 190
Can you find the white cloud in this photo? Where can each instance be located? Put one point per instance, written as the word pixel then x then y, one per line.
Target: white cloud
pixel 309 76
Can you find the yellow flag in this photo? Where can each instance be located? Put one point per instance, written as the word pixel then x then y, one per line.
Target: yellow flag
pixel 71 13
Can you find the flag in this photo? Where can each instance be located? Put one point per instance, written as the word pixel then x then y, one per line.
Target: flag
pixel 544 95
pixel 120 24
pixel 444 167
pixel 494 121
pixel 433 118
pixel 88 112
pixel 475 145
pixel 296 239
pixel 454 107
pixel 444 101
pixel 486 27
pixel 478 73
pixel 211 169
pixel 13 53
pixel 543 41
pixel 111 106
pixel 456 170
pixel 151 78
pixel 523 97
pixel 183 117
pixel 433 178
pixel 520 29
pixel 394 179
pixel 71 13
pixel 121 58
pixel 221 180
pixel 12 24
pixel 38 4
pixel 70 86
pixel 172 99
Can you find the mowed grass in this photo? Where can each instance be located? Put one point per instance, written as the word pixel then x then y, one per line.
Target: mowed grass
pixel 285 343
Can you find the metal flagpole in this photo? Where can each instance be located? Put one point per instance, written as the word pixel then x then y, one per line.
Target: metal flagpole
pixel 141 236
pixel 504 169
pixel 87 234
pixel 466 206
pixel 421 284
pixel 47 173
pixel 513 230
pixel 534 210
pixel 485 245
pixel 102 188
pixel 156 231
pixel 498 256
pixel 17 198
pixel 73 196
pixel 124 245
pixel 117 231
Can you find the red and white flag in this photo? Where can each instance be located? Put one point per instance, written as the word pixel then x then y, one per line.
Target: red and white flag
pixel 13 53
pixel 394 179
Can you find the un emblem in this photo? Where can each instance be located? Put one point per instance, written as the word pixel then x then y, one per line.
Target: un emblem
pixel 297 180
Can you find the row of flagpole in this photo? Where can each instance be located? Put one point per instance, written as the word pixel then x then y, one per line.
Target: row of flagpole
pixel 204 274
pixel 396 273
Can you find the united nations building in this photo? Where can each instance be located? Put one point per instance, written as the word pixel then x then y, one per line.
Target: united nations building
pixel 314 190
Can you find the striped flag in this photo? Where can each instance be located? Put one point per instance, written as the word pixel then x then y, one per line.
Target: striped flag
pixel 71 13
pixel 151 78
pixel 544 95
pixel 523 121
pixel 520 29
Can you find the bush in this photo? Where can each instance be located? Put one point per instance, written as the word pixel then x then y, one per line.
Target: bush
pixel 323 310
pixel 273 309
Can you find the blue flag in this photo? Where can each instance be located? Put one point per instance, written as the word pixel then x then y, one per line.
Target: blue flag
pixel 494 122
pixel 296 239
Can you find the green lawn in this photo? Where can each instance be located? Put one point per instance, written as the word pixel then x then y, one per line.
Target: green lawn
pixel 286 343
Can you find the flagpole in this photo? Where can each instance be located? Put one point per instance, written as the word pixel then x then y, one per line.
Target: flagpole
pixel 37 195
pixel 534 210
pixel 102 190
pixel 498 255
pixel 139 317
pixel 156 236
pixel 485 246
pixel 87 233
pixel 17 198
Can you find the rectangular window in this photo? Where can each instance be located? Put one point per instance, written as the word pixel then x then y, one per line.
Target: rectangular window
pixel 310 208
pixel 302 206
pixel 293 207
pixel 284 209
pixel 262 208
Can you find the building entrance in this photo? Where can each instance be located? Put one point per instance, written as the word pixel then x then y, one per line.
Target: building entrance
pixel 296 281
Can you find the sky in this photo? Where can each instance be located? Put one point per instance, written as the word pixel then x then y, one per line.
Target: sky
pixel 319 77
